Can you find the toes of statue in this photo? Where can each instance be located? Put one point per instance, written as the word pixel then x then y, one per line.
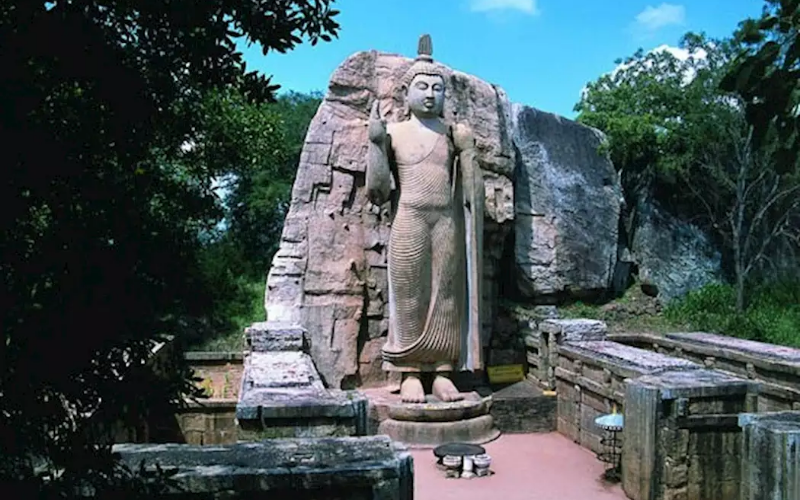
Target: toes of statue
pixel 445 390
pixel 411 390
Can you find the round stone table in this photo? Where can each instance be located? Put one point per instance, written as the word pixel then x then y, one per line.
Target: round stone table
pixel 456 450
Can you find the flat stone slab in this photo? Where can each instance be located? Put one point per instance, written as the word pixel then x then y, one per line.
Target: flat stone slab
pixel 368 467
pixel 262 404
pixel 276 370
pixel 696 383
pixel 568 330
pixel 640 360
pixel 759 349
pixel 777 422
pixel 478 430
pixel 213 356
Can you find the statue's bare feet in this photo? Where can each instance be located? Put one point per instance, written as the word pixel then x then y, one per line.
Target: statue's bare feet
pixel 411 390
pixel 444 389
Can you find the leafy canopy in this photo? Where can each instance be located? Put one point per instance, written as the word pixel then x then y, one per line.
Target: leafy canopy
pixel 102 210
pixel 767 76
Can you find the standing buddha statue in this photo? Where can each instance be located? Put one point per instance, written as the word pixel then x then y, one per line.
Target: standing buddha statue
pixel 435 244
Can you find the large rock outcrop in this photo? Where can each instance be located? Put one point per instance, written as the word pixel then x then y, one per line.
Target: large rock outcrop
pixel 330 272
pixel 673 256
pixel 567 201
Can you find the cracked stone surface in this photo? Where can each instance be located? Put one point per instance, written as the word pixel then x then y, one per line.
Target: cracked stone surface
pixel 359 468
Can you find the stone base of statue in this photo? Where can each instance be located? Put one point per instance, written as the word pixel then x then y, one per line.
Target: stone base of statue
pixel 430 424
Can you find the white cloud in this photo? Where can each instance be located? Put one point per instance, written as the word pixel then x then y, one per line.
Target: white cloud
pixel 677 52
pixel 526 6
pixel 654 18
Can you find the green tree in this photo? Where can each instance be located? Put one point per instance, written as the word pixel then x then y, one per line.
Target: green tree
pixel 259 197
pixel 658 112
pixel 258 147
pixel 677 136
pixel 102 211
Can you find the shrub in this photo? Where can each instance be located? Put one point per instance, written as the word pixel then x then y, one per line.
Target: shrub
pixel 773 314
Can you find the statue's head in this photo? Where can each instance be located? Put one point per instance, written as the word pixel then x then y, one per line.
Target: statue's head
pixel 424 83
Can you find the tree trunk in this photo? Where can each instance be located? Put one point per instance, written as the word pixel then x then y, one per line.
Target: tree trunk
pixel 739 290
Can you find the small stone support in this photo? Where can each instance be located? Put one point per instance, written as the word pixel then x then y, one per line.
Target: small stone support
pixel 770 456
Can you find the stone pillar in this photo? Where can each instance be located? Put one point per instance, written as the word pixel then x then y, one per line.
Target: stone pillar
pixel 770 456
pixel 557 331
pixel 682 439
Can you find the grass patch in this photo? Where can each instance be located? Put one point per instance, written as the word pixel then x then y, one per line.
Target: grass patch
pixel 632 312
pixel 772 315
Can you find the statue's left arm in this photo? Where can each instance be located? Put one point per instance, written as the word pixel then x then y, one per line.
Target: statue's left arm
pixel 471 174
pixel 473 189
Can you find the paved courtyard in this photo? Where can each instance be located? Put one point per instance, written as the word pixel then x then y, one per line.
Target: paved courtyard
pixel 527 466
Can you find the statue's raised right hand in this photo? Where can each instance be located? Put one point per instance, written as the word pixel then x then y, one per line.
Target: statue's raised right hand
pixel 377 125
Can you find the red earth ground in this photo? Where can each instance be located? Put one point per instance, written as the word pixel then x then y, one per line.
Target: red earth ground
pixel 527 466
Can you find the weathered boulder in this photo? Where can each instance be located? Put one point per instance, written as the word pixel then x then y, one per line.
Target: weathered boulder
pixel 567 200
pixel 673 256
pixel 330 273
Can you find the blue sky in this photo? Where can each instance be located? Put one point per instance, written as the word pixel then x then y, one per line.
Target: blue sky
pixel 542 52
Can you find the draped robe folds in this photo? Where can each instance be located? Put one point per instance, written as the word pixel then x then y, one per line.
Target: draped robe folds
pixel 435 261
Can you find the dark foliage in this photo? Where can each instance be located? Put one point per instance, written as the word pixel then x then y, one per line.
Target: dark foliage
pixel 767 76
pixel 98 232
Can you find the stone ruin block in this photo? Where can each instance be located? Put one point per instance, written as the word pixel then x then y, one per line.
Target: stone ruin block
pixel 770 456
pixel 682 438
pixel 368 468
pixel 775 368
pixel 571 330
pixel 542 336
pixel 283 395
pixel 268 336
pixel 590 379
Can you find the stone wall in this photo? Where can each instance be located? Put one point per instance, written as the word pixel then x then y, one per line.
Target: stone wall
pixel 590 382
pixel 208 422
pixel 775 368
pixel 681 396
pixel 541 339
pixel 682 438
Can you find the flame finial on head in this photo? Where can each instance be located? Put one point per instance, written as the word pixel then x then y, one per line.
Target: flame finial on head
pixel 423 64
pixel 425 48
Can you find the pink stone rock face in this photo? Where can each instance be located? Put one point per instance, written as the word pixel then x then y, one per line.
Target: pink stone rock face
pixel 330 273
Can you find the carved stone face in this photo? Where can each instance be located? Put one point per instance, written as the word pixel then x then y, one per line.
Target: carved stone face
pixel 425 96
